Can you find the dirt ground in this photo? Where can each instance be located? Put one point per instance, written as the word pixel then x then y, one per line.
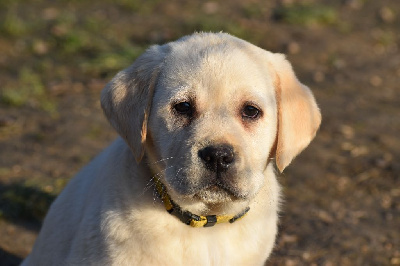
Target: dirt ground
pixel 342 195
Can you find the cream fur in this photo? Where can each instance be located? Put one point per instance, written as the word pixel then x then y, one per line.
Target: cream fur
pixel 109 215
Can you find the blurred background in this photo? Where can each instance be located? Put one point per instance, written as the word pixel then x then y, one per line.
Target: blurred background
pixel 342 195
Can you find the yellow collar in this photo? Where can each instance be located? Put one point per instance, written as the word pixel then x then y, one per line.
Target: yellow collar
pixel 190 218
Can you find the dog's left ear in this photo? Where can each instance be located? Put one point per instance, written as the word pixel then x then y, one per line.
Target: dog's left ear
pixel 298 114
pixel 126 99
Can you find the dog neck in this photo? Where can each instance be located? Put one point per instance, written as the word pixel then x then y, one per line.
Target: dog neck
pixel 190 218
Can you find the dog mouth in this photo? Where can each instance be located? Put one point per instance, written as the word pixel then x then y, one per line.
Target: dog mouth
pixel 209 188
pixel 217 193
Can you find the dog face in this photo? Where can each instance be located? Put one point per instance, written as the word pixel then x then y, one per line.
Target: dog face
pixel 211 109
pixel 209 117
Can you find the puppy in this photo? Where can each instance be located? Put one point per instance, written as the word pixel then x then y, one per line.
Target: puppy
pixel 191 179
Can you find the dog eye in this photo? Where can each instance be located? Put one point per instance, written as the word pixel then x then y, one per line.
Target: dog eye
pixel 251 112
pixel 183 108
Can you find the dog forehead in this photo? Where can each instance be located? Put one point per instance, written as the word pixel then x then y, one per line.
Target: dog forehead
pixel 216 70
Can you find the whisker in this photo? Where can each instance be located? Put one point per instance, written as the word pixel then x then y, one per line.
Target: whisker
pixel 165 159
pixel 176 175
pixel 180 181
pixel 148 185
pixel 151 183
pixel 162 160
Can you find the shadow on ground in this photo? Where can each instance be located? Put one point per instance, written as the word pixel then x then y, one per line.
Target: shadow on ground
pixel 9 259
pixel 19 202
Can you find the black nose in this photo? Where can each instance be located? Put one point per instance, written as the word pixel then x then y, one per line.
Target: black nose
pixel 217 158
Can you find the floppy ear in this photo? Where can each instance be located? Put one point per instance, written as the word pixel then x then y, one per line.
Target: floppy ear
pixel 298 114
pixel 126 99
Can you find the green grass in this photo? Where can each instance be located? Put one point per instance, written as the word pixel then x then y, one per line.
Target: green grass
pixel 253 10
pixel 28 91
pixel 65 45
pixel 112 61
pixel 142 6
pixel 13 25
pixel 307 14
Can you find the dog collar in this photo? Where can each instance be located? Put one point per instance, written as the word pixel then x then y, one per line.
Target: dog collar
pixel 190 218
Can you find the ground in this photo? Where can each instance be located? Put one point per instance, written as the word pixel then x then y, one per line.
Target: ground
pixel 341 195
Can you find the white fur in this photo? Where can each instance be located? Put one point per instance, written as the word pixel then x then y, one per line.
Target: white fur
pixel 109 214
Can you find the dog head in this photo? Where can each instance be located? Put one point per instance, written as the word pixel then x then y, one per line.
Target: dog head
pixel 211 110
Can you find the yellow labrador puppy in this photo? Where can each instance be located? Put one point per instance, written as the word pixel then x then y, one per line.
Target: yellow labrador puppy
pixel 191 180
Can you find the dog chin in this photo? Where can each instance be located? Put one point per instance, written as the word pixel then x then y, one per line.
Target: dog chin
pixel 216 194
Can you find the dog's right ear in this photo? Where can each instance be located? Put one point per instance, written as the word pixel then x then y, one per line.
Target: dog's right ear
pixel 126 99
pixel 298 114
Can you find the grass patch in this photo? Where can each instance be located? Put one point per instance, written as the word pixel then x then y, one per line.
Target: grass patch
pixel 28 91
pixel 95 131
pixel 11 24
pixel 307 14
pixel 385 38
pixel 253 10
pixel 142 6
pixel 213 23
pixel 110 62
